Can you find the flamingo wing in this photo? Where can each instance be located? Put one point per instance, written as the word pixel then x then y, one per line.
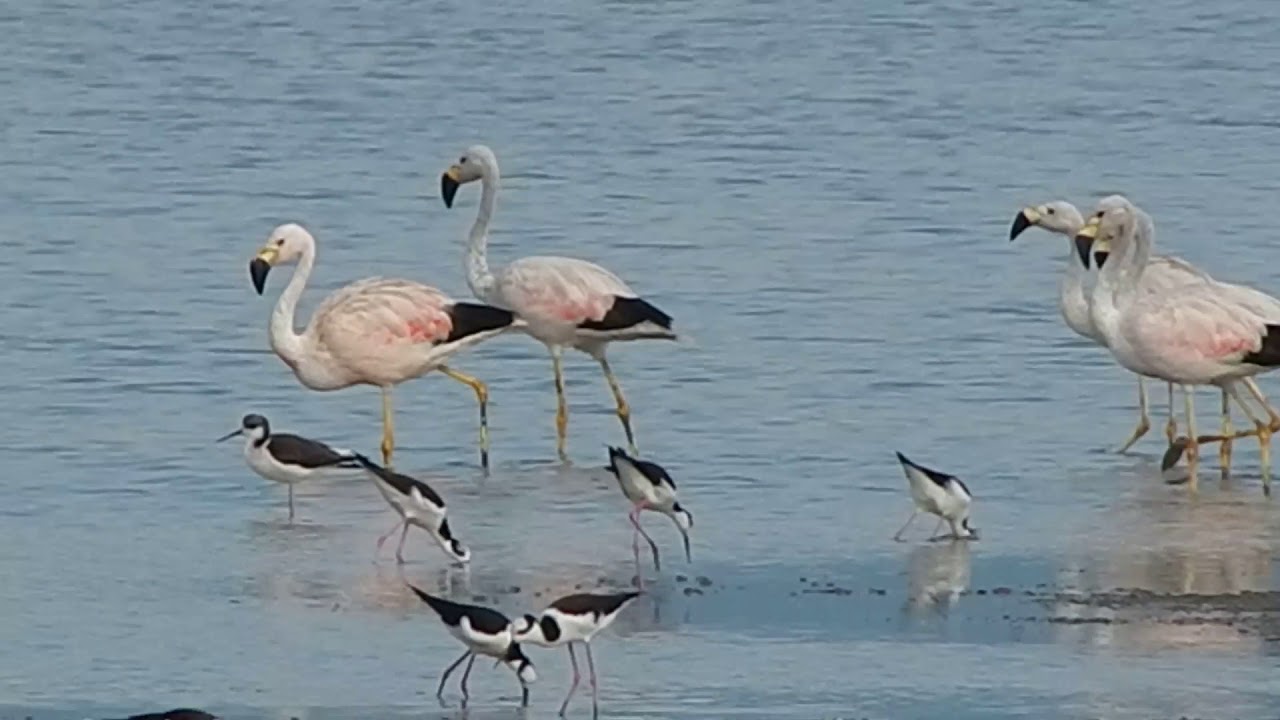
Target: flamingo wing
pixel 362 321
pixel 573 291
pixel 1199 325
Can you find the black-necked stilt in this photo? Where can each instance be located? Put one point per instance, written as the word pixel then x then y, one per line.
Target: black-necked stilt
pixel 575 618
pixel 485 632
pixel 938 494
pixel 285 458
pixel 417 504
pixel 649 487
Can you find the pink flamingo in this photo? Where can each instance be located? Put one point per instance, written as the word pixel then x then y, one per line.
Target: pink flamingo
pixel 566 302
pixel 375 331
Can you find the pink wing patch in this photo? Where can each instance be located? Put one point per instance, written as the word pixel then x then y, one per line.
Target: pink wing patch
pixel 1219 346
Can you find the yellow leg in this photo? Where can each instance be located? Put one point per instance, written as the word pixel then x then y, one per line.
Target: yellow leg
pixel 624 410
pixel 562 405
pixel 482 396
pixel 388 428
pixel 1262 399
pixel 1193 446
pixel 1224 450
pixel 1144 422
pixel 1263 431
pixel 1171 427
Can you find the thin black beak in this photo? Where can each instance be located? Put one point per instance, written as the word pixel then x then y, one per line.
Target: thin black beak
pixel 448 188
pixel 258 269
pixel 1083 243
pixel 230 435
pixel 1020 223
pixel 688 556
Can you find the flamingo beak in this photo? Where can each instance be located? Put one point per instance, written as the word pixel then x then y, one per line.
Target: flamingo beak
pixel 1085 239
pixel 449 183
pixel 260 266
pixel 1024 220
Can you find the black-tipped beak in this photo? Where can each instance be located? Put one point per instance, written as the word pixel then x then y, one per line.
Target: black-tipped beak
pixel 448 188
pixel 1020 223
pixel 258 269
pixel 1100 258
pixel 230 435
pixel 1083 244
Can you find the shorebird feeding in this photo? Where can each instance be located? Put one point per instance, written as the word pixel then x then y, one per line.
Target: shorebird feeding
pixel 575 618
pixel 417 504
pixel 649 487
pixel 567 302
pixel 375 331
pixel 484 632
pixel 285 458
pixel 938 494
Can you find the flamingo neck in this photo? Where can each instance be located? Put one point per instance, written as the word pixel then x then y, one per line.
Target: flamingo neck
pixel 479 279
pixel 285 341
pixel 1122 272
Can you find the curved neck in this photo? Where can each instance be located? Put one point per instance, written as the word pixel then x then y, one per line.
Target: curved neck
pixel 479 278
pixel 1074 267
pixel 285 341
pixel 1124 269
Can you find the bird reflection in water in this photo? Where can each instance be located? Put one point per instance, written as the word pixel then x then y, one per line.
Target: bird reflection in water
pixel 937 573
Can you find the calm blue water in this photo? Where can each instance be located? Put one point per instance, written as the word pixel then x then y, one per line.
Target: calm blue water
pixel 819 192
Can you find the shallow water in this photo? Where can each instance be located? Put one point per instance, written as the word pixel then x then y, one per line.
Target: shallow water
pixel 819 193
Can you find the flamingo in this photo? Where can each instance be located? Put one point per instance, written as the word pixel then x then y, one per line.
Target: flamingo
pixel 1063 218
pixel 375 331
pixel 1199 332
pixel 566 302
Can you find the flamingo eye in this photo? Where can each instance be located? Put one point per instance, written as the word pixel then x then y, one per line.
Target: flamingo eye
pixel 1050 211
pixel 462 160
pixel 280 242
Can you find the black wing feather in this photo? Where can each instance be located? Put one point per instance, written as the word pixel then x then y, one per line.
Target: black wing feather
pixel 939 479
pixel 403 484
pixel 628 312
pixel 587 603
pixel 486 620
pixel 471 318
pixel 652 470
pixel 294 450
pixel 1269 354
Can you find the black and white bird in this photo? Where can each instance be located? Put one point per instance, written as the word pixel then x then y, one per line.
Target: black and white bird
pixel 485 632
pixel 938 494
pixel 416 504
pixel 286 458
pixel 649 487
pixel 575 618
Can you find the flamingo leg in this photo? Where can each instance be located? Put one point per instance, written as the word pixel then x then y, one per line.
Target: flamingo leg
pixel 595 690
pixel 1171 427
pixel 1262 399
pixel 482 397
pixel 624 410
pixel 1144 421
pixel 1264 435
pixel 898 535
pixel 1193 443
pixel 562 406
pixel 635 520
pixel 388 428
pixel 404 534
pixel 1224 450
pixel 449 671
pixel 573 685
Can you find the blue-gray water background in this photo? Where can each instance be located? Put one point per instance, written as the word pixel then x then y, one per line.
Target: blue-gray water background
pixel 820 192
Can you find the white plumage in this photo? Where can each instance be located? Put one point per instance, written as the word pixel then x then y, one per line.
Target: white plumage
pixel 940 494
